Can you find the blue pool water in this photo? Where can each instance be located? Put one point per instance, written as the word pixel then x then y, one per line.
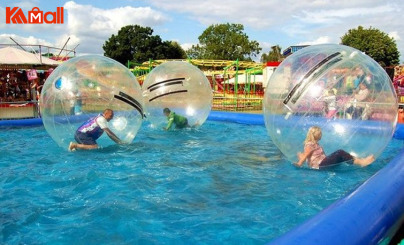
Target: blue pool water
pixel 223 183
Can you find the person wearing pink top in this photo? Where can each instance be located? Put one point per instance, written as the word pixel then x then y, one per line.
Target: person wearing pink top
pixel 317 159
pixel 331 104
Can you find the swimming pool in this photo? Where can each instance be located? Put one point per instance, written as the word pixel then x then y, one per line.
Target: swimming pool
pixel 223 183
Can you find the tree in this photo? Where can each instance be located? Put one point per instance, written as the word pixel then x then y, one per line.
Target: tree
pixel 196 52
pixel 273 55
pixel 224 42
pixel 137 44
pixel 48 55
pixel 173 50
pixel 375 43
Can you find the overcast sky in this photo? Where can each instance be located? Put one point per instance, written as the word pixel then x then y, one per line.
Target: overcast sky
pixel 276 22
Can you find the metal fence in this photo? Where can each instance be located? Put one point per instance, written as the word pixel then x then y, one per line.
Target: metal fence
pixel 237 104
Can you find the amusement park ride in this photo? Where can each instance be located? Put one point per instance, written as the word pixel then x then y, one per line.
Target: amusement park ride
pixel 227 77
pixel 236 85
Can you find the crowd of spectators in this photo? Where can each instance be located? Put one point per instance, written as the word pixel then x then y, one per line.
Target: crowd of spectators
pixel 398 80
pixel 18 86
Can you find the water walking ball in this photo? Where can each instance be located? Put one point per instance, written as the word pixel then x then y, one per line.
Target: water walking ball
pixel 82 88
pixel 182 88
pixel 338 88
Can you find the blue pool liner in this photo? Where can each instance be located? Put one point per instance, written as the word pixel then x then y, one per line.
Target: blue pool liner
pixel 371 214
pixel 243 118
pixel 258 119
pixel 21 122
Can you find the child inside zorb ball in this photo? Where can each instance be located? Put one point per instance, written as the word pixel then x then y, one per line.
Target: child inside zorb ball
pixel 338 89
pixel 177 95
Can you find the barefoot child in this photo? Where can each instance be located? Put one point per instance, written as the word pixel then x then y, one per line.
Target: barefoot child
pixel 316 158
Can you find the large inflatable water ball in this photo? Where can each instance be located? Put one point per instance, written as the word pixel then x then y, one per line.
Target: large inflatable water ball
pixel 82 88
pixel 182 88
pixel 340 89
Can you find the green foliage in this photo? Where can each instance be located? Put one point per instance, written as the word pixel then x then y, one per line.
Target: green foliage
pixel 48 55
pixel 273 55
pixel 224 42
pixel 196 52
pixel 137 44
pixel 375 43
pixel 173 50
